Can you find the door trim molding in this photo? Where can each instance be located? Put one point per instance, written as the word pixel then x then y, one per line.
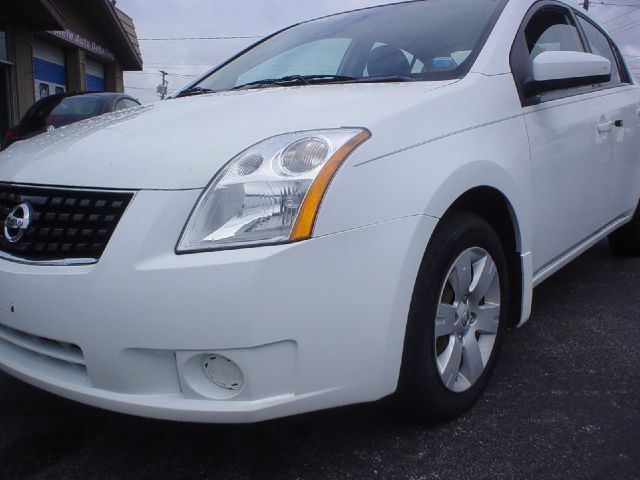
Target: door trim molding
pixel 552 267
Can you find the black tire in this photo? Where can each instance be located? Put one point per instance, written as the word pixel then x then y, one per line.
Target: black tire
pixel 421 388
pixel 626 240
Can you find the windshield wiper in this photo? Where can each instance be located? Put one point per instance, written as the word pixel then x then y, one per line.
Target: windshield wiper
pixel 289 79
pixel 300 80
pixel 384 79
pixel 190 92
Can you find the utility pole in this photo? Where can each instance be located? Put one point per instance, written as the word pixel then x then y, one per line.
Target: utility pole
pixel 164 86
pixel 585 4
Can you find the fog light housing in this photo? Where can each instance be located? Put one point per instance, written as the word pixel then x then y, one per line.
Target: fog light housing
pixel 223 372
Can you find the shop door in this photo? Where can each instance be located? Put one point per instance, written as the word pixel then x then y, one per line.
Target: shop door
pixel 95 76
pixel 49 69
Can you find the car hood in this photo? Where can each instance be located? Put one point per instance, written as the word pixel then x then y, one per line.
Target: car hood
pixel 182 143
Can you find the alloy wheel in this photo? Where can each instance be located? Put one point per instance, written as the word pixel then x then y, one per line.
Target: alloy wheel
pixel 467 319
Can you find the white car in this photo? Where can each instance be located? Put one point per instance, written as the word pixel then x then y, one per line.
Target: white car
pixel 355 206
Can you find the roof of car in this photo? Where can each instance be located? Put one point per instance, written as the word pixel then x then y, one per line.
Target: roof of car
pixel 55 99
pixel 104 95
pixel 95 94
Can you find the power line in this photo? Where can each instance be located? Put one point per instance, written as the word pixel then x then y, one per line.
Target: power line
pixel 626 29
pixel 145 73
pixel 173 68
pixel 630 12
pixel 615 4
pixel 629 26
pixel 165 73
pixel 143 88
pixel 177 66
pixel 622 27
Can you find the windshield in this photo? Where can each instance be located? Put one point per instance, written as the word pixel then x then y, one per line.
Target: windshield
pixel 422 40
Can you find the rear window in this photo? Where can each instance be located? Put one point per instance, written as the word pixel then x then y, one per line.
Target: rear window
pixel 84 106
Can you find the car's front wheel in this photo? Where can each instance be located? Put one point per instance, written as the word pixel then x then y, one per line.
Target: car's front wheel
pixel 457 317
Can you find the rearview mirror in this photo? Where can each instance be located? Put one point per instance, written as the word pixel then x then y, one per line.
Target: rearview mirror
pixel 560 70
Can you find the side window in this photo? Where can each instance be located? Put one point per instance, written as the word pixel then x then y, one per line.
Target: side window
pixel 600 46
pixel 125 103
pixel 44 90
pixel 418 66
pixel 552 30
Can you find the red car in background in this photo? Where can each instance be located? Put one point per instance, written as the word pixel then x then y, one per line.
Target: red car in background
pixel 63 109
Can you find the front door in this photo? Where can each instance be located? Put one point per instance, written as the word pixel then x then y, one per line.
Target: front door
pixel 572 143
pixel 625 123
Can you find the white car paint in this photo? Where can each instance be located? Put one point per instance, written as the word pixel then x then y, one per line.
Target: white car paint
pixel 318 323
pixel 166 133
pixel 555 65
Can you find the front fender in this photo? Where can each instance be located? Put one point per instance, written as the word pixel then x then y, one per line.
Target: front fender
pixel 427 179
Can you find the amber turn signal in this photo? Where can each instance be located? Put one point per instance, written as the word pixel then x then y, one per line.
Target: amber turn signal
pixel 303 228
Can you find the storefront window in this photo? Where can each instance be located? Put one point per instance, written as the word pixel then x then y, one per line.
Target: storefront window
pixel 5 99
pixel 3 46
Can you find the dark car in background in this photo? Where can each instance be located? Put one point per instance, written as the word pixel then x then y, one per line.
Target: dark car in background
pixel 63 109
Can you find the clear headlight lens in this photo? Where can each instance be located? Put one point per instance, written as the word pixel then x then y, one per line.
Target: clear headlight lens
pixel 269 193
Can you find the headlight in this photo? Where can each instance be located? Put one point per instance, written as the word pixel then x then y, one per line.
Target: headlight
pixel 269 193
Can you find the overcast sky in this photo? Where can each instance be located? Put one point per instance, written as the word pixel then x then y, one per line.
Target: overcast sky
pixel 194 18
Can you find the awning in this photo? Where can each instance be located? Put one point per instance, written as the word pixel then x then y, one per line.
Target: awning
pixel 38 14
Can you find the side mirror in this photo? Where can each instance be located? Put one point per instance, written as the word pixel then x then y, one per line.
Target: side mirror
pixel 561 70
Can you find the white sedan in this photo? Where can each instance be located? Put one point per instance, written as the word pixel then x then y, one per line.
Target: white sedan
pixel 356 206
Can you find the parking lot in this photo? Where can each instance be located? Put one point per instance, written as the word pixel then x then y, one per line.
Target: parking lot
pixel 564 403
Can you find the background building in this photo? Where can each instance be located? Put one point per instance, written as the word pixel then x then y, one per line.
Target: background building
pixel 54 46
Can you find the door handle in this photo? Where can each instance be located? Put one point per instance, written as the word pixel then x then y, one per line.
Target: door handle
pixel 605 127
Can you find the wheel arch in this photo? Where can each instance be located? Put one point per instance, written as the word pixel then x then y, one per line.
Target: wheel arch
pixel 496 207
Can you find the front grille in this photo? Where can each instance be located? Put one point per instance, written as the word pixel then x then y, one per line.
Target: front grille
pixel 65 224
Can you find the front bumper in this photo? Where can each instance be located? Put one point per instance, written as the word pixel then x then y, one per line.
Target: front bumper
pixel 312 325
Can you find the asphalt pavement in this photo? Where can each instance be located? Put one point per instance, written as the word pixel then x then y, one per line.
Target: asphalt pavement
pixel 564 403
